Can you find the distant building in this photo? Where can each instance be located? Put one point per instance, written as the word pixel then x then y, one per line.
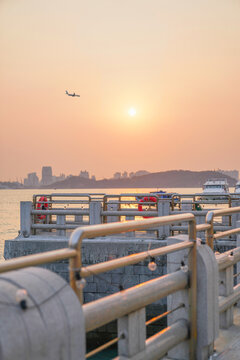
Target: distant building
pixel 61 177
pixel 117 176
pixel 31 180
pixel 93 177
pixel 47 177
pixel 84 174
pixel 124 175
pixel 232 173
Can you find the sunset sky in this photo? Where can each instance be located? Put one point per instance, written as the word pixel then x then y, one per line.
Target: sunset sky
pixel 159 82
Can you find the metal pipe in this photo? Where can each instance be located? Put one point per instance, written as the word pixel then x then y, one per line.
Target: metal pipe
pixel 116 228
pixel 228 258
pixel 202 227
pixel 132 259
pixel 60 212
pixel 53 226
pixel 226 233
pixel 129 213
pixel 109 308
pixel 227 302
pixel 37 259
pixel 158 345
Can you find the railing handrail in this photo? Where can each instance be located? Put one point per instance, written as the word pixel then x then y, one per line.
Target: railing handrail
pixel 112 307
pixel 116 228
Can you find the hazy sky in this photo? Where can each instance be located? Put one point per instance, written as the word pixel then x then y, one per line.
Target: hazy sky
pixel 177 62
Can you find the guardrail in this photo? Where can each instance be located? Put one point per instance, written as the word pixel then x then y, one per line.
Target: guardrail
pixel 136 298
pixel 89 209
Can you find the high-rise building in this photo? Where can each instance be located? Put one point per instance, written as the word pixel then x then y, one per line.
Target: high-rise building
pixel 31 180
pixel 47 177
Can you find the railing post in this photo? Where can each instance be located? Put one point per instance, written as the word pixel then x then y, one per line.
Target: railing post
pixel 130 233
pixel 61 220
pixel 25 218
pixel 163 209
pixel 209 235
pixel 132 333
pixel 95 212
pixel 226 289
pixel 192 261
pixel 207 314
pixel 113 207
pixel 174 262
pixel 235 217
pixel 78 219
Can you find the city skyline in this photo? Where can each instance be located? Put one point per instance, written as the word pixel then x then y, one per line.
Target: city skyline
pixel 47 175
pixel 159 86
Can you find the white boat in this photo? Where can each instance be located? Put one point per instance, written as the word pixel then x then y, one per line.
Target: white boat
pixel 216 188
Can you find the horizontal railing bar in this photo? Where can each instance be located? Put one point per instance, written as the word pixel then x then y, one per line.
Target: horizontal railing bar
pixel 129 213
pixel 37 259
pixel 119 227
pixel 185 227
pixel 194 212
pixel 102 347
pixel 64 202
pixel 137 202
pixel 226 233
pixel 237 274
pixel 159 344
pixel 159 317
pixel 226 302
pixel 109 308
pixel 228 258
pixel 132 259
pixel 60 212
pixel 70 194
pixel 203 227
pixel 54 226
pixel 228 211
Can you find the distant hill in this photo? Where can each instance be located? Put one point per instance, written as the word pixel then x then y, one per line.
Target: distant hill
pixel 166 179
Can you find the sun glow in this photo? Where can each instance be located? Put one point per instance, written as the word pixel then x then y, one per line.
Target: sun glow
pixel 132 112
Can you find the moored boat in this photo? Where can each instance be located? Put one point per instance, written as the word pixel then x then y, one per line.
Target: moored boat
pixel 216 188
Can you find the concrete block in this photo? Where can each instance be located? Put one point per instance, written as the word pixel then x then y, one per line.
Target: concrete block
pixel 51 327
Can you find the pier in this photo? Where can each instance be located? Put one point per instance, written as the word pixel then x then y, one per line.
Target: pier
pixel 178 263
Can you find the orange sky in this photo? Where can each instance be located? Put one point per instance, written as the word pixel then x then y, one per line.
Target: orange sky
pixel 177 62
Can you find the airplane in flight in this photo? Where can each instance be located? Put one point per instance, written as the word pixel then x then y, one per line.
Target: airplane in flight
pixel 72 94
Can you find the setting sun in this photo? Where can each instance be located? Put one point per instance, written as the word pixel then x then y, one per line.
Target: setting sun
pixel 132 112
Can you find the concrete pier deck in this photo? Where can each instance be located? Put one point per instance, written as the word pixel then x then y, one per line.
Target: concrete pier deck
pixel 227 344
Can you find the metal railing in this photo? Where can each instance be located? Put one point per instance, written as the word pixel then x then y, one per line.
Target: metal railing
pixel 134 301
pixel 59 216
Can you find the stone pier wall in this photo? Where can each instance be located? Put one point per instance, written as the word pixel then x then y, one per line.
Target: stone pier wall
pixel 97 286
